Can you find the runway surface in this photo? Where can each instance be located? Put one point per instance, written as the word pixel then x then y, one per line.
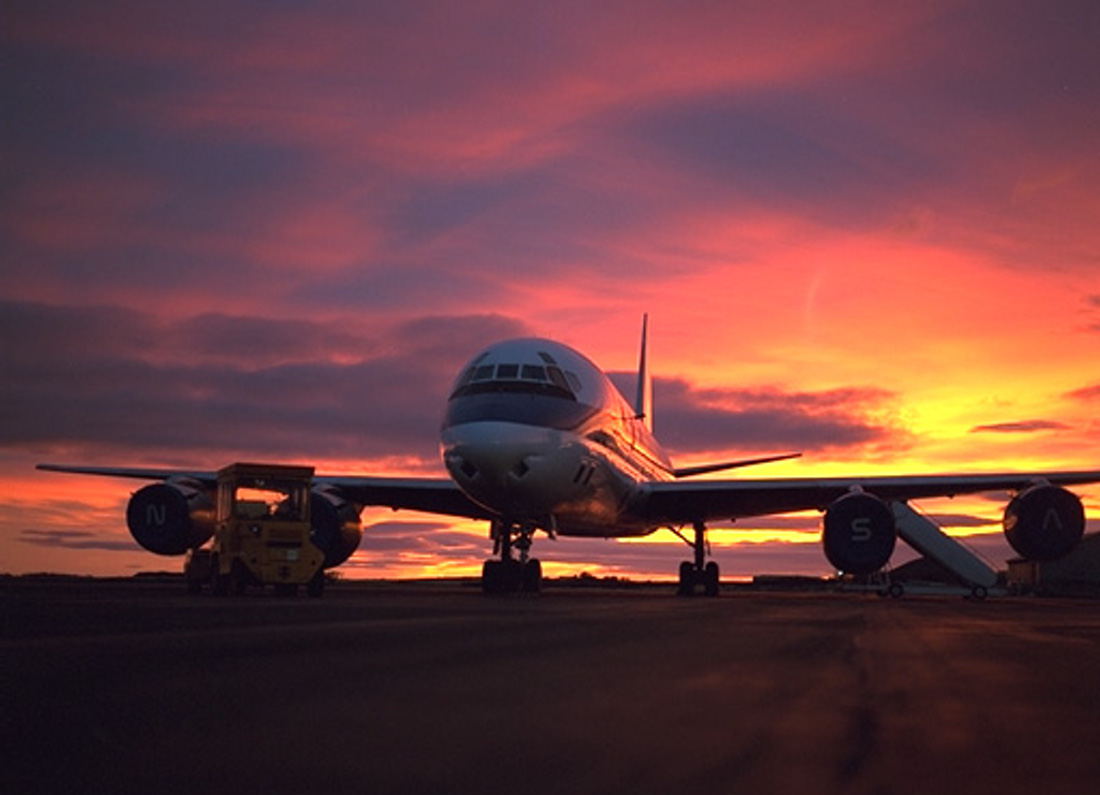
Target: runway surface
pixel 425 688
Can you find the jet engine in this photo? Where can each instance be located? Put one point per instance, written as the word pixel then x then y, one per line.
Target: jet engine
pixel 1044 522
pixel 858 533
pixel 171 518
pixel 336 527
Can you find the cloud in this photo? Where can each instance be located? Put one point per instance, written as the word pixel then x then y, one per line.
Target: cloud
pixel 962 520
pixel 1024 426
pixel 258 228
pixel 690 419
pixel 73 539
pixel 1092 312
pixel 1085 393
pixel 212 384
pixel 790 150
pixel 413 537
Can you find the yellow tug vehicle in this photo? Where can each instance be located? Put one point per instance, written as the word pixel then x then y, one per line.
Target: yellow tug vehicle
pixel 261 533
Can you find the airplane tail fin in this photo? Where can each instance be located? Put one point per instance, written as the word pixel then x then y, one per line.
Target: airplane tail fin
pixel 643 403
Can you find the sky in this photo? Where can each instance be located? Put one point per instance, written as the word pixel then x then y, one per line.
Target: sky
pixel 276 231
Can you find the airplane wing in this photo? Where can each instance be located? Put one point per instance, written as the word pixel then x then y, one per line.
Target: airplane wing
pixel 682 502
pixel 434 495
pixel 206 478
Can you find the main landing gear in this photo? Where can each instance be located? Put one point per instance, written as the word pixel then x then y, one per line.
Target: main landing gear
pixel 510 574
pixel 698 572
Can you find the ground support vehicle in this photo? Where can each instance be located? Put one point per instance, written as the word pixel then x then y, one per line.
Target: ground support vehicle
pixel 261 535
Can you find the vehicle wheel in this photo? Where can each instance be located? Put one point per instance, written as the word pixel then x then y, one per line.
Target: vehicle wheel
pixel 896 589
pixel 286 590
pixel 979 592
pixel 238 579
pixel 710 579
pixel 315 588
pixel 219 583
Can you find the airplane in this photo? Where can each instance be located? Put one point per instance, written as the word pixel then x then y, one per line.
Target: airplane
pixel 535 437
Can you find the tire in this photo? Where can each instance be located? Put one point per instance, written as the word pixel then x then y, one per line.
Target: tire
pixel 532 576
pixel 711 579
pixel 238 579
pixel 687 579
pixel 219 583
pixel 490 577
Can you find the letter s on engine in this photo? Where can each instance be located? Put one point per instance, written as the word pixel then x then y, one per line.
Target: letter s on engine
pixel 858 533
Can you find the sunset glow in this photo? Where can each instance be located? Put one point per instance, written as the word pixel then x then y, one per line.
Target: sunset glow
pixel 250 231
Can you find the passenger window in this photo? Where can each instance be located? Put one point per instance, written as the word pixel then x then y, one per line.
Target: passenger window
pixel 508 371
pixel 534 373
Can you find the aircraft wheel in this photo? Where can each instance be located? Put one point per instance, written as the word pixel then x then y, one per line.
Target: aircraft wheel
pixel 489 576
pixel 501 576
pixel 686 586
pixel 710 579
pixel 532 576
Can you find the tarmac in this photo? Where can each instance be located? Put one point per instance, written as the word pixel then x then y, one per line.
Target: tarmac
pixel 131 686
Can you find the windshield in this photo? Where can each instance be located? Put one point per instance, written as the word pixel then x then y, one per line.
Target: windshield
pixel 265 499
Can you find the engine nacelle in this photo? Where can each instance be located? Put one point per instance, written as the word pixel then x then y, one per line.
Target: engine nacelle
pixel 1044 522
pixel 336 526
pixel 171 518
pixel 859 533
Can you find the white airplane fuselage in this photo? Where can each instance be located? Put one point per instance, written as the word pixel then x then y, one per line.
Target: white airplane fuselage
pixel 537 434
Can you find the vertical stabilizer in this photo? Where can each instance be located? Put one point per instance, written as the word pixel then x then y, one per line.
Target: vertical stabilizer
pixel 643 403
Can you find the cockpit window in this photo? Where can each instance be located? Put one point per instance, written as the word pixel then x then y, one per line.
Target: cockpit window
pixel 516 378
pixel 557 377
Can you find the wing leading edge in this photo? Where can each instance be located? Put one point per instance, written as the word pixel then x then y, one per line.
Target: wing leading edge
pixel 680 502
pixel 434 495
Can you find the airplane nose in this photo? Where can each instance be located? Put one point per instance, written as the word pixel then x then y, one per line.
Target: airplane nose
pixel 495 467
pixel 491 467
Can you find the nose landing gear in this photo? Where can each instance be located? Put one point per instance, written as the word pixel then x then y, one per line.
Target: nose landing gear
pixel 510 574
pixel 698 572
